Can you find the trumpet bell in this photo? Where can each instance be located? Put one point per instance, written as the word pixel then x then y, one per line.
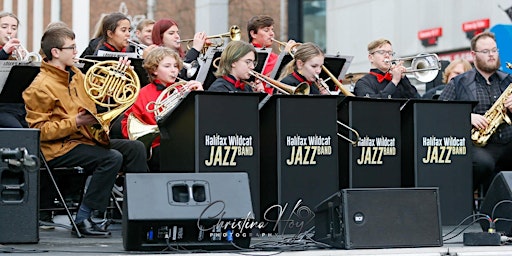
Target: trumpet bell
pixel 426 67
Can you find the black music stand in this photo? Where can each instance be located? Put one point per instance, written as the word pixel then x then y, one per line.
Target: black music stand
pixel 135 62
pixel 299 163
pixel 336 64
pixel 206 72
pixel 375 161
pixel 200 135
pixel 436 152
pixel 19 78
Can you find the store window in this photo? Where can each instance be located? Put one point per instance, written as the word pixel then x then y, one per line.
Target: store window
pixel 313 29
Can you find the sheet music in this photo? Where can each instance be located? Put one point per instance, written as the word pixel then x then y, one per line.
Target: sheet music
pixel 117 54
pixel 6 66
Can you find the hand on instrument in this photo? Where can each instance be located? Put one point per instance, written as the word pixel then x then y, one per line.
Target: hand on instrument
pixel 11 45
pixel 479 121
pixel 398 72
pixel 194 85
pixel 125 61
pixel 257 86
pixel 199 41
pixel 85 118
pixel 508 103
pixel 289 45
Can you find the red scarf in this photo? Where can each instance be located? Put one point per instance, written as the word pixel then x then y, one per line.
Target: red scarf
pixel 112 48
pixel 300 78
pixel 381 78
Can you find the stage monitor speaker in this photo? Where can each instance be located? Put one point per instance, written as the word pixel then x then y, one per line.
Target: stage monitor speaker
pixel 497 203
pixel 19 185
pixel 380 218
pixel 183 211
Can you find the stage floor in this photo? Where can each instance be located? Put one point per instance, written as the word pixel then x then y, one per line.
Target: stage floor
pixel 60 242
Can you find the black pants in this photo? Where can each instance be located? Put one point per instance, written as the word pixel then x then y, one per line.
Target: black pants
pixel 489 161
pixel 103 164
pixel 12 115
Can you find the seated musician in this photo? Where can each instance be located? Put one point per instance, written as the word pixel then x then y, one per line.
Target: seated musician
pixel 453 69
pixel 386 79
pixel 12 115
pixel 306 66
pixel 260 30
pixel 163 65
pixel 115 33
pixel 485 83
pixel 166 33
pixel 235 64
pixel 55 103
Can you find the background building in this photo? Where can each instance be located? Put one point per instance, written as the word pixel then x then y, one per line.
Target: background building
pixel 339 26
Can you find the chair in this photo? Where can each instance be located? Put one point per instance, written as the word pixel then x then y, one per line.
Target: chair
pixel 76 170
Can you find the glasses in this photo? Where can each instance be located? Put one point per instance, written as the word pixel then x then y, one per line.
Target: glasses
pixel 382 52
pixel 486 51
pixel 73 47
pixel 249 62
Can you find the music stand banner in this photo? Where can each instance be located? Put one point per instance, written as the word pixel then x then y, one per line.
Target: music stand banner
pixel 436 144
pixel 375 160
pixel 299 164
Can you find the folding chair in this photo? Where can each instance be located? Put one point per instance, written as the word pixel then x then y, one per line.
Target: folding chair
pixel 77 170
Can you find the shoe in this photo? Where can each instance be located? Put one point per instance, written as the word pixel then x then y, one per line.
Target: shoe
pixel 46 220
pixel 88 228
pixel 118 186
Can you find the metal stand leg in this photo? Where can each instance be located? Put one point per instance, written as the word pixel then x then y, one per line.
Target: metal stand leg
pixel 61 198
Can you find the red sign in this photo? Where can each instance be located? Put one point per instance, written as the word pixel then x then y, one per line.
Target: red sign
pixel 475 25
pixel 430 33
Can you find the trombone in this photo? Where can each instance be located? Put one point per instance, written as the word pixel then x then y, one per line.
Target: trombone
pixel 350 129
pixel 234 34
pixel 424 67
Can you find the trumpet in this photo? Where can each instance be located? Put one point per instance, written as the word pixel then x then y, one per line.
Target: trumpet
pixel 424 67
pixel 234 34
pixel 191 68
pixel 21 54
pixel 138 45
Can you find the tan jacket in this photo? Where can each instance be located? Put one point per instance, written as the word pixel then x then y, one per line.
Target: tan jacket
pixel 52 104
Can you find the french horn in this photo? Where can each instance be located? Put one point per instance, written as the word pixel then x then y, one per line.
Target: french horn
pixel 113 86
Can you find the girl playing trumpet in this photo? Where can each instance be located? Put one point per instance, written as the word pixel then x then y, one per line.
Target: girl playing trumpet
pixel 163 66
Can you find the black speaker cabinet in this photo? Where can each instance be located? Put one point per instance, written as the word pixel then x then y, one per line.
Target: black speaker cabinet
pixel 380 218
pixel 19 186
pixel 207 211
pixel 498 199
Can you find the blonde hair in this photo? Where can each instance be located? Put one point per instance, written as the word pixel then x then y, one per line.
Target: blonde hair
pixel 377 43
pixel 234 51
pixel 304 52
pixel 154 58
pixel 449 69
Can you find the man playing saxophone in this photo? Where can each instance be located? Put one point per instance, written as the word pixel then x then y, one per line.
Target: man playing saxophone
pixel 487 85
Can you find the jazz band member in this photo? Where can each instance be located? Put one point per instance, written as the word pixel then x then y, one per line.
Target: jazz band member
pixel 306 66
pixel 260 30
pixel 386 79
pixel 235 64
pixel 55 103
pixel 114 36
pixel 163 65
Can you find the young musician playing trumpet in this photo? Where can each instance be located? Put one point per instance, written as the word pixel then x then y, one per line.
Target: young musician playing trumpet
pixel 306 66
pixel 260 30
pixel 235 65
pixel 114 36
pixel 163 66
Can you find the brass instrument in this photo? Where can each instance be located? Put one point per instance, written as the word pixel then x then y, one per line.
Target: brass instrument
pixel 141 46
pixel 234 34
pixel 111 85
pixel 424 67
pixel 301 89
pixel 495 116
pixel 21 54
pixel 350 129
pixel 139 130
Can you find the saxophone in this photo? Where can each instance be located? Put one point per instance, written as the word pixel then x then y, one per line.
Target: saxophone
pixel 496 115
